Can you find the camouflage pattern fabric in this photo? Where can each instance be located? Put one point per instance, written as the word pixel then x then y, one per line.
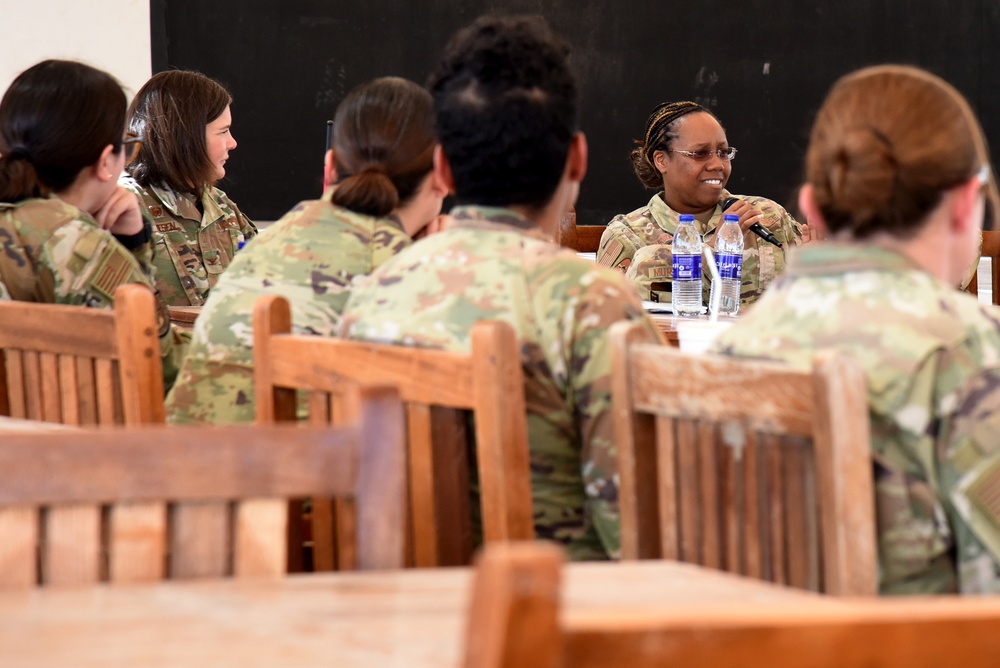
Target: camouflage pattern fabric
pixel 54 253
pixel 494 264
pixel 932 359
pixel 191 248
pixel 638 244
pixel 309 257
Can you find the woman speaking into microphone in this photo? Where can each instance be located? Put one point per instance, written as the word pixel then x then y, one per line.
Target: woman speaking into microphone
pixel 685 156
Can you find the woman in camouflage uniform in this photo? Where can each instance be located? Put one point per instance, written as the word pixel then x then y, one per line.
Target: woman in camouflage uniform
pixel 184 121
pixel 896 171
pixel 68 233
pixel 381 193
pixel 684 154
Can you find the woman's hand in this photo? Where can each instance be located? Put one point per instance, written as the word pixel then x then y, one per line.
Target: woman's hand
pixel 748 215
pixel 120 213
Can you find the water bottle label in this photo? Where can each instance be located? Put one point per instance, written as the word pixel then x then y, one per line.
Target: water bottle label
pixel 730 265
pixel 687 266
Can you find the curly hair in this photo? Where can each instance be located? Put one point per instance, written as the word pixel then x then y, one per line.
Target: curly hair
pixel 506 105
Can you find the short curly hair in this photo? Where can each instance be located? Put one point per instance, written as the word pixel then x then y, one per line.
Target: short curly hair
pixel 506 110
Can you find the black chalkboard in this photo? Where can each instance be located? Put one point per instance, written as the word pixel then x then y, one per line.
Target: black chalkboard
pixel 762 65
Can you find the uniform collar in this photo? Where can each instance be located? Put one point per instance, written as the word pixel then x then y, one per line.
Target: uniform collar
pixel 832 257
pixel 668 219
pixel 184 205
pixel 497 218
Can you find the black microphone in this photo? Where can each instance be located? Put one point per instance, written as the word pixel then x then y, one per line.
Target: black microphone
pixel 756 228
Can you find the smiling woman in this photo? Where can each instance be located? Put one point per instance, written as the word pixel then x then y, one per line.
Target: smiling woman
pixel 684 153
pixel 184 122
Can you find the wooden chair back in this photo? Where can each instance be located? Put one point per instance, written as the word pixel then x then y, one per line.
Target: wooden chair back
pixel 581 238
pixel 990 249
pixel 747 466
pixel 91 505
pixel 82 366
pixel 438 388
pixel 515 621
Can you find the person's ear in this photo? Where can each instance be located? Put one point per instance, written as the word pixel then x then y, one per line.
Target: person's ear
pixel 807 203
pixel 660 161
pixel 964 205
pixel 576 161
pixel 442 171
pixel 104 169
pixel 329 169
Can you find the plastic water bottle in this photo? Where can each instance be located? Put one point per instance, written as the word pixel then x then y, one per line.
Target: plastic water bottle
pixel 729 258
pixel 686 250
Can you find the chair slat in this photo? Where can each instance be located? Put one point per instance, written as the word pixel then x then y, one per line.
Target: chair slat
pixel 69 390
pixel 137 542
pixel 87 391
pixel 257 522
pixel 19 547
pixel 688 494
pixel 775 505
pixel 423 512
pixel 72 545
pixel 666 463
pixel 107 393
pixel 753 519
pixel 709 478
pixel 48 365
pixel 797 510
pixel 33 387
pixel 199 538
pixel 16 391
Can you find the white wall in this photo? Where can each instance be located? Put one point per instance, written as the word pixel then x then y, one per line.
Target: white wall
pixel 112 35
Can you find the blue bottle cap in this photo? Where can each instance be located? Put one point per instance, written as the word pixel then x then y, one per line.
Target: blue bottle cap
pixel 732 217
pixel 687 217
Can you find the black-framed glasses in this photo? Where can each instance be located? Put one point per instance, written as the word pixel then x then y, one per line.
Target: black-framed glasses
pixel 130 147
pixel 704 155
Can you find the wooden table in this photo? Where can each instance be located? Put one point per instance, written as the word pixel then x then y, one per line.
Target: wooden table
pixel 407 618
pixel 667 324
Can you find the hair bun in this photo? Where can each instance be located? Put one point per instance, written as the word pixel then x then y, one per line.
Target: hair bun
pixel 862 174
pixel 370 192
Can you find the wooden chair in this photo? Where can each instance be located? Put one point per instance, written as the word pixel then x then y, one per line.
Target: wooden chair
pixel 990 249
pixel 82 366
pixel 515 622
pixel 84 506
pixel 582 238
pixel 751 467
pixel 432 383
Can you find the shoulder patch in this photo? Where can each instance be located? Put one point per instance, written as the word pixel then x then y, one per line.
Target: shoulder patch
pixel 112 272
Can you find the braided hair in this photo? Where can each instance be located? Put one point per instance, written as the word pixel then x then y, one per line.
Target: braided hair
pixel 659 132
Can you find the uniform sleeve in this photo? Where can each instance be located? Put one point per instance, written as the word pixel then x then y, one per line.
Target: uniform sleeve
pixel 83 265
pixel 969 475
pixel 605 300
pixel 618 245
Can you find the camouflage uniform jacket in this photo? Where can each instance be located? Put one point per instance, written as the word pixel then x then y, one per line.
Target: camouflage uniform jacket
pixel 310 257
pixel 494 264
pixel 191 248
pixel 52 252
pixel 638 243
pixel 932 359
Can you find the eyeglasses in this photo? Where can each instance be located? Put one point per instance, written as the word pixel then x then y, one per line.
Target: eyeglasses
pixel 130 147
pixel 703 156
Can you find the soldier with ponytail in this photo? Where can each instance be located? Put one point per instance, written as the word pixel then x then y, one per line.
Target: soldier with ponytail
pixel 898 173
pixel 380 194
pixel 68 233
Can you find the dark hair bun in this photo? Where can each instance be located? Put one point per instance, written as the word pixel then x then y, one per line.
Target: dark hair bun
pixel 370 192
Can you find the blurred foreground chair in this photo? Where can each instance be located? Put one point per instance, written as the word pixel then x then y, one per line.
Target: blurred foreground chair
pixel 433 384
pixel 750 467
pixel 515 621
pixel 990 249
pixel 85 506
pixel 82 366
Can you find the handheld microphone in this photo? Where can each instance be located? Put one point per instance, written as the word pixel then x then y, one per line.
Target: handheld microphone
pixel 756 228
